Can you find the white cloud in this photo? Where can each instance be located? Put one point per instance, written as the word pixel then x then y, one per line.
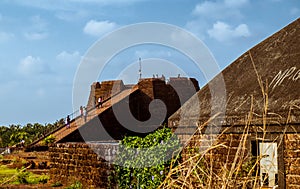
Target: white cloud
pixel 38 22
pixel 197 27
pixel 107 2
pixel 220 9
pixel 74 5
pixel 4 36
pixel 35 35
pixel 37 30
pixel 66 64
pixel 235 3
pixel 208 12
pixel 72 15
pixel 69 57
pixel 224 32
pixel 205 8
pixel 99 28
pixel 31 65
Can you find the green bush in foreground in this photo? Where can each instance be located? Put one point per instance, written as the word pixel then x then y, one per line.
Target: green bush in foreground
pixel 22 177
pixel 56 184
pixel 76 185
pixel 25 177
pixel 142 162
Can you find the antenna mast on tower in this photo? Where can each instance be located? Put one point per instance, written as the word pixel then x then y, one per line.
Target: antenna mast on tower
pixel 140 70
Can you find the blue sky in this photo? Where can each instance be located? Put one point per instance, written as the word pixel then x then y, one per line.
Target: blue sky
pixel 43 41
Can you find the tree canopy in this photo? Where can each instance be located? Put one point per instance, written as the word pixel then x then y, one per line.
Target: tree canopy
pixel 14 134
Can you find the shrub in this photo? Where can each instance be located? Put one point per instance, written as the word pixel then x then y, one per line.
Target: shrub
pixel 56 184
pixel 25 177
pixel 22 177
pixel 49 140
pixel 143 161
pixel 76 185
pixel 43 178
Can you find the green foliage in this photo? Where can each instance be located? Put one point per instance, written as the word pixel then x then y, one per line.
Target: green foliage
pixel 248 167
pixel 18 136
pixel 22 177
pixel 6 173
pixel 13 134
pixel 56 184
pixel 36 179
pixel 49 140
pixel 43 178
pixel 143 162
pixel 76 185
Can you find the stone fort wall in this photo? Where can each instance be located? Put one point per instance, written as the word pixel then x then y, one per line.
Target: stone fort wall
pixel 233 149
pixel 83 162
pixel 292 160
pixel 172 93
pixel 152 87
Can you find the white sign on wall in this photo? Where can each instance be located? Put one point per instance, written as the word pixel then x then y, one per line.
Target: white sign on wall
pixel 268 163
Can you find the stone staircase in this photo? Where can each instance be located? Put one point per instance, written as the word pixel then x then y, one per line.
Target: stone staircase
pixel 79 121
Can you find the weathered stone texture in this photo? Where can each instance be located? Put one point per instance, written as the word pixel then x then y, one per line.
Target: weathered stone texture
pixel 224 148
pixel 264 79
pixel 222 155
pixel 140 112
pixel 292 160
pixel 80 161
pixel 105 89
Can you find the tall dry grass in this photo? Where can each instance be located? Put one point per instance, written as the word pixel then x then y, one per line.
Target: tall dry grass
pixel 238 168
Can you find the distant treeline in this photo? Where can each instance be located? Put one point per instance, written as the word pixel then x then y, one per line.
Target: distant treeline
pixel 14 134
